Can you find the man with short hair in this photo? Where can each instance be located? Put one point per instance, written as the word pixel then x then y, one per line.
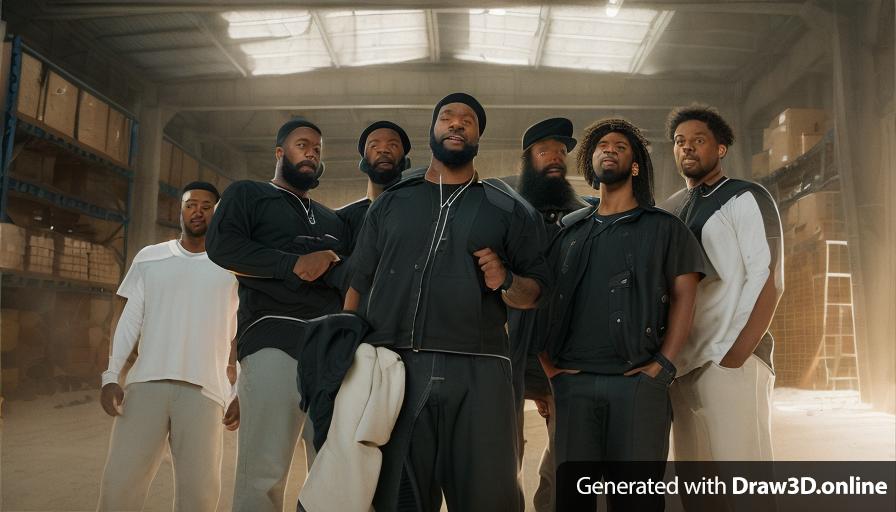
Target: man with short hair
pixel 542 183
pixel 281 245
pixel 627 276
pixel 182 309
pixel 440 256
pixel 722 400
pixel 384 148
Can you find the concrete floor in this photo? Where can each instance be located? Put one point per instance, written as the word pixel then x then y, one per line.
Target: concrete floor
pixel 54 448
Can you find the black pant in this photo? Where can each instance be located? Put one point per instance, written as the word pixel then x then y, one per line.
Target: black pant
pixel 614 420
pixel 456 434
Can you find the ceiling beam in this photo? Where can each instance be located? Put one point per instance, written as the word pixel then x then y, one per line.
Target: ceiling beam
pixel 544 26
pixel 207 32
pixel 432 34
pixel 316 19
pixel 654 33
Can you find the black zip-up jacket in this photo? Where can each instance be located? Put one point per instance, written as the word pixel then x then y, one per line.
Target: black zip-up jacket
pixel 253 234
pixel 426 292
pixel 657 247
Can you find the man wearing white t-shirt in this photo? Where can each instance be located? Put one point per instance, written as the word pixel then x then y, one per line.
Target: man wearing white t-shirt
pixel 182 308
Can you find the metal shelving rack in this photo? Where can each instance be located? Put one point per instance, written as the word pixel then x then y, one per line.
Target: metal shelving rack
pixel 13 123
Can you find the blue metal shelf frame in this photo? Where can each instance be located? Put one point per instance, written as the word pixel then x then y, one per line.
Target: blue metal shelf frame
pixel 11 122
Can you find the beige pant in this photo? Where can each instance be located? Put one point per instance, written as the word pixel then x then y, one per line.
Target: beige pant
pixel 157 415
pixel 270 424
pixel 723 414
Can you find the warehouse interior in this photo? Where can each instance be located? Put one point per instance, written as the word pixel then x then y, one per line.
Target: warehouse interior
pixel 111 106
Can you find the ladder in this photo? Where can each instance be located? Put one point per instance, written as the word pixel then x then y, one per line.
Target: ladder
pixel 837 358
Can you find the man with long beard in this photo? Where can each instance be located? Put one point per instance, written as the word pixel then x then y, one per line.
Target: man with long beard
pixel 440 257
pixel 722 401
pixel 181 309
pixel 627 277
pixel 265 233
pixel 542 182
pixel 384 148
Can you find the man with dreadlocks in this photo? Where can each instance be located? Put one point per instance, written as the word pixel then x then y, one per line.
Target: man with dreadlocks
pixel 627 275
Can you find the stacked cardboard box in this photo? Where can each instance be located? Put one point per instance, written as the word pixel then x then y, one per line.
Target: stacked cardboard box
pixel 74 261
pixel 93 121
pixel 103 266
pixel 40 253
pixel 33 166
pixel 31 81
pixel 790 134
pixel 12 247
pixel 61 104
pixel 817 216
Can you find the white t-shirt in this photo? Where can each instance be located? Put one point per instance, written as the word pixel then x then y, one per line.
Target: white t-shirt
pixel 182 307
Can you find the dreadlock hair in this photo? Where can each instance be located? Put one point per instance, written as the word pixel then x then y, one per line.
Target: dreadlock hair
pixel 699 112
pixel 642 184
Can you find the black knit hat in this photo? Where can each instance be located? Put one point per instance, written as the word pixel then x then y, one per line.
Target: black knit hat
pixel 291 125
pixel 405 141
pixel 558 128
pixel 201 185
pixel 466 99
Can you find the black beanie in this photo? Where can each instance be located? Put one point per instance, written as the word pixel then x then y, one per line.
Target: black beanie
pixel 405 141
pixel 291 125
pixel 466 99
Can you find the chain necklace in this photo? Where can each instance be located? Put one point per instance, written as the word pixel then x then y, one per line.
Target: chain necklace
pixel 453 197
pixel 309 210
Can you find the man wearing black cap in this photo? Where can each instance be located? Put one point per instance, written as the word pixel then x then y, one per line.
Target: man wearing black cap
pixel 627 279
pixel 440 256
pixel 281 245
pixel 181 308
pixel 542 182
pixel 384 148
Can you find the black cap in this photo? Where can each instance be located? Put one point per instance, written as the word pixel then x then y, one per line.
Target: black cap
pixel 201 185
pixel 405 141
pixel 291 125
pixel 466 99
pixel 558 128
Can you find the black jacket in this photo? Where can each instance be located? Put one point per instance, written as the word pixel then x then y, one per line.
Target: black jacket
pixel 431 296
pixel 254 234
pixel 657 247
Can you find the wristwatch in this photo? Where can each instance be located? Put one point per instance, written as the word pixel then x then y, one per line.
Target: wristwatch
pixel 665 363
pixel 508 282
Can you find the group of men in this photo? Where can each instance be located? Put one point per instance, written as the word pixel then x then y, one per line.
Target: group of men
pixel 491 291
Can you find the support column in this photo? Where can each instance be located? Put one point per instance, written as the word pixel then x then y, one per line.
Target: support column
pixel 144 201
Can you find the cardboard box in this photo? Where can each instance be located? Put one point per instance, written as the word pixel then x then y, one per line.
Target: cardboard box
pixel 62 104
pixel 31 87
pixel 74 261
pixel 93 116
pixel 5 61
pixel 189 171
pixel 766 139
pixel 115 134
pixel 40 254
pixel 165 162
pixel 12 247
pixel 783 138
pixel 802 120
pixel 33 166
pixel 809 141
pixel 817 216
pixel 103 266
pixel 759 164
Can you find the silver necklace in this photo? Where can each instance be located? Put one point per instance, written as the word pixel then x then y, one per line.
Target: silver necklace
pixel 453 197
pixel 309 210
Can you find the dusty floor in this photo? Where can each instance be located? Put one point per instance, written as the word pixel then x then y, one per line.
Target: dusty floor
pixel 53 448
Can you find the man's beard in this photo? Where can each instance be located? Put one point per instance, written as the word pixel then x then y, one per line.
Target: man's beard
pixel 185 227
pixel 384 177
pixel 699 171
pixel 610 177
pixel 298 179
pixel 542 191
pixel 449 157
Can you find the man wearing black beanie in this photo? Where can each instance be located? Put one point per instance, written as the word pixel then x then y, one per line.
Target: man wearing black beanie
pixel 384 148
pixel 439 258
pixel 281 245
